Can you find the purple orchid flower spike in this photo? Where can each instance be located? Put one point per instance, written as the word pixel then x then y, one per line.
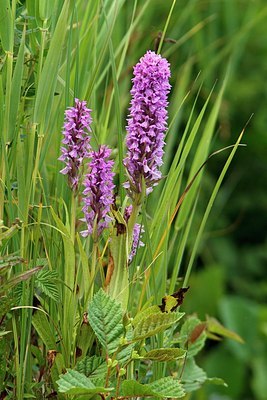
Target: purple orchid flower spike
pixel 98 192
pixel 147 123
pixel 76 141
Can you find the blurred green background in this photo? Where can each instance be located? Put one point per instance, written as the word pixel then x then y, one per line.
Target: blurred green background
pixel 230 278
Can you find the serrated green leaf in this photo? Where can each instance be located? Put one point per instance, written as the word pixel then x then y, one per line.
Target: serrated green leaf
pixel 193 376
pixel 73 382
pixel 105 318
pixel 168 387
pixel 145 313
pixel 47 281
pixel 89 365
pixel 186 330
pixel 165 354
pixel 155 323
pixel 43 328
pixel 163 388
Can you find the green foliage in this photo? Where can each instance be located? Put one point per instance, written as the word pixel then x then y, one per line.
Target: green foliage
pixel 164 354
pixel 47 282
pixel 53 51
pixel 118 287
pixel 215 328
pixel 145 313
pixel 105 316
pixel 75 383
pixel 193 376
pixel 6 30
pixel 155 323
pixel 48 78
pixel 91 367
pixel 92 372
pixel 162 388
pixel 193 345
pixel 43 328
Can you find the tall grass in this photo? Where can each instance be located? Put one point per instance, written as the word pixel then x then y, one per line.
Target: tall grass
pixel 55 51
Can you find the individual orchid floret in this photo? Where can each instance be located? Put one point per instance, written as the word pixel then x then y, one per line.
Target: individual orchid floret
pixel 147 122
pixel 137 233
pixel 76 141
pixel 98 192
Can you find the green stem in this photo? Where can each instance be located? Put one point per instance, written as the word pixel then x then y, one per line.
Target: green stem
pixel 118 387
pixel 17 366
pixel 43 31
pixel 93 269
pixel 31 169
pixel 73 217
pixel 138 201
pixel 36 165
pixel 89 295
pixel 9 63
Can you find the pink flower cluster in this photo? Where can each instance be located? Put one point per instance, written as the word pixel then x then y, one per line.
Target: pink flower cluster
pixel 147 124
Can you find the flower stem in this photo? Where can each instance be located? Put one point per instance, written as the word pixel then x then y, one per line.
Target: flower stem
pixel 93 269
pixel 73 216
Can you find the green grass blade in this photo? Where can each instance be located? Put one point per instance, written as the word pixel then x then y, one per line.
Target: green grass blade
pixel 48 78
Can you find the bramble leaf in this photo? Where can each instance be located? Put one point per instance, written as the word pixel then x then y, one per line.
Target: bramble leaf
pixel 93 367
pixel 155 323
pixel 193 376
pixel 193 344
pixel 47 282
pixel 164 354
pixel 73 382
pixel 145 313
pixel 105 318
pixel 163 388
